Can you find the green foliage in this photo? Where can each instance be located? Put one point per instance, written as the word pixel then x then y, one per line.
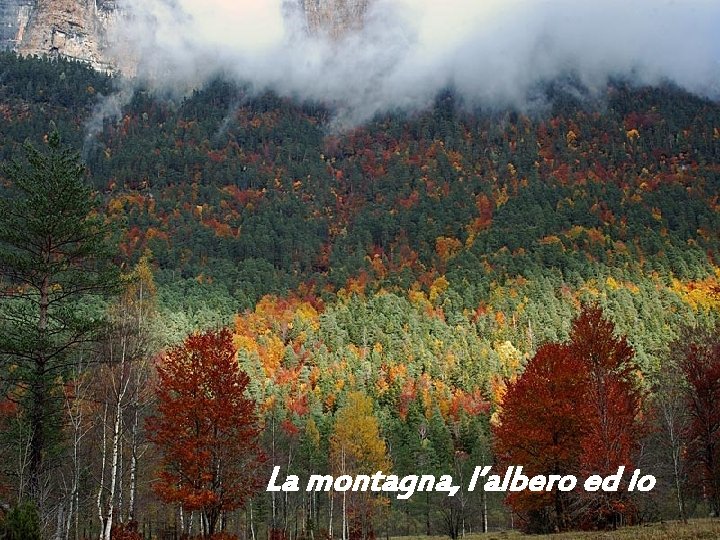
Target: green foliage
pixel 55 265
pixel 21 523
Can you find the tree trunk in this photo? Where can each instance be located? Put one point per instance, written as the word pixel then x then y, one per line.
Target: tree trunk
pixel 101 488
pixel 39 398
pixel 133 466
pixel 113 471
pixel 483 497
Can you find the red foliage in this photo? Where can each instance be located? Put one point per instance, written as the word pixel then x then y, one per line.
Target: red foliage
pixel 701 366
pixel 575 410
pixel 126 531
pixel 205 427
pixel 216 536
pixel 542 424
pixel 615 398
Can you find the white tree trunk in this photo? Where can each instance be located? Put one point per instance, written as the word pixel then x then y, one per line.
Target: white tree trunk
pixel 101 488
pixel 133 464
pixel 113 472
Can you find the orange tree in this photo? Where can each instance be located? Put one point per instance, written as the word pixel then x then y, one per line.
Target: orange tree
pixel 205 428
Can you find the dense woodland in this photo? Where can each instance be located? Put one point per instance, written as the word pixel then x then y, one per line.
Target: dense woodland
pixel 248 287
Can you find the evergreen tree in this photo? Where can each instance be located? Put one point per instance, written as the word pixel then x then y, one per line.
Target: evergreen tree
pixel 55 263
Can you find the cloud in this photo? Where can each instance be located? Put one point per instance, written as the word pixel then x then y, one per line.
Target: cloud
pixel 493 52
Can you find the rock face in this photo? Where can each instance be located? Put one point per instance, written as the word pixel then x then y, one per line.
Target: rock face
pixel 74 29
pixel 334 17
pixel 82 29
pixel 14 16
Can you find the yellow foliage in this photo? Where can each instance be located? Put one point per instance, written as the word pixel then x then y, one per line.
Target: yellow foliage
pixel 439 286
pixel 116 206
pixel 551 239
pixel 510 358
pixel 701 295
pixel 245 343
pixel 312 433
pixel 418 298
pixel 612 283
pixel 571 138
pixel 501 196
pixel 355 444
pixel 271 355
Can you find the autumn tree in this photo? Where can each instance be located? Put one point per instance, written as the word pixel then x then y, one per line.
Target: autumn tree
pixel 356 447
pixel 615 397
pixel 205 428
pixel 541 426
pixel 579 406
pixel 699 353
pixel 55 261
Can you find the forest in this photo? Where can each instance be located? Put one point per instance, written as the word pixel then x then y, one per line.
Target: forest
pixel 197 289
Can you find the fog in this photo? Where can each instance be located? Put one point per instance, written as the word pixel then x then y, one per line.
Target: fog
pixel 491 52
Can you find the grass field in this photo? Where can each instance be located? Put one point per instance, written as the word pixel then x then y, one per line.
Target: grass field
pixel 697 528
pixel 671 530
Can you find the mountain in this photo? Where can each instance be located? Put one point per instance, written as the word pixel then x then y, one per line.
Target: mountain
pixel 73 29
pixel 333 17
pixel 84 30
pixel 420 259
pixel 239 195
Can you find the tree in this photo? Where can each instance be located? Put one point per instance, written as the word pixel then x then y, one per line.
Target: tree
pixel 700 363
pixel 575 410
pixel 357 448
pixel 21 523
pixel 120 382
pixel 541 426
pixel 672 421
pixel 615 397
pixel 205 428
pixel 55 260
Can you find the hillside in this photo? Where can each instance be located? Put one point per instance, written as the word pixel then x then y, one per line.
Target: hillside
pixel 226 186
pixel 421 258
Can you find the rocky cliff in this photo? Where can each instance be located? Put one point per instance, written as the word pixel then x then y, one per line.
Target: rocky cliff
pixel 76 29
pixel 70 28
pixel 82 29
pixel 14 16
pixel 334 17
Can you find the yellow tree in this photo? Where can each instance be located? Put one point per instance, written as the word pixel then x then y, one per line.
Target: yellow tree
pixel 356 448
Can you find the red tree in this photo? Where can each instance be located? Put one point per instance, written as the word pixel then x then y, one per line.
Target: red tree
pixel 700 363
pixel 575 410
pixel 205 428
pixel 615 397
pixel 541 427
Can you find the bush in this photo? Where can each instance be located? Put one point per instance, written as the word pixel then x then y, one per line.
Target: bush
pixel 126 531
pixel 21 523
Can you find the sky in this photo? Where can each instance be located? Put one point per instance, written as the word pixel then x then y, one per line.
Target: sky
pixel 493 52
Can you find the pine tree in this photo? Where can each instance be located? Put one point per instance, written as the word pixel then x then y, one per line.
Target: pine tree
pixel 55 262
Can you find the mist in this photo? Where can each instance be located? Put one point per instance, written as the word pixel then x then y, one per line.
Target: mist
pixel 492 53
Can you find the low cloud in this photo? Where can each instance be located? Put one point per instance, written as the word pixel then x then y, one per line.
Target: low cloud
pixel 494 53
